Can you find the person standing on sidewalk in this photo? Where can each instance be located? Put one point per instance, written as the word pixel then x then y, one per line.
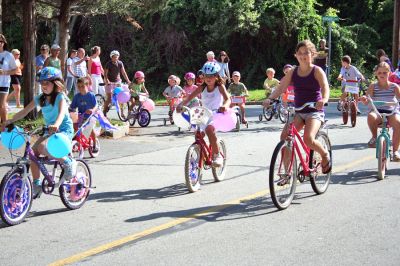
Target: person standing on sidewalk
pixel 8 67
pixel 80 67
pixel 39 60
pixel 70 72
pixel 96 70
pixel 16 79
pixel 53 60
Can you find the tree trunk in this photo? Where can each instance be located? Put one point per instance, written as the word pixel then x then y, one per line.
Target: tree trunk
pixel 29 71
pixel 396 33
pixel 63 19
pixel 1 16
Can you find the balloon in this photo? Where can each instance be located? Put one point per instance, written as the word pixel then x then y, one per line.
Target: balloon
pixel 149 105
pixel 224 122
pixel 123 97
pixel 117 90
pixel 59 145
pixel 181 119
pixel 13 140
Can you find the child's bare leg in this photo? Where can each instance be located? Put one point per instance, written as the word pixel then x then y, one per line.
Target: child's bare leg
pixel 210 132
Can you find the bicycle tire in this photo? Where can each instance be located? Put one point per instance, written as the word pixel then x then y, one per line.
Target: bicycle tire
pixel 319 181
pixel 274 172
pixel 382 158
pixel 94 154
pixel 268 113
pixel 260 117
pixel 100 101
pixel 238 121
pixel 281 113
pixel 345 113
pixel 144 118
pixel 123 112
pixel 132 121
pixel 77 150
pixel 10 186
pixel 219 172
pixel 193 172
pixel 74 196
pixel 353 113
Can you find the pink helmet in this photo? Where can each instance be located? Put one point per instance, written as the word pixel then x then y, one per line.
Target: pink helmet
pixel 190 75
pixel 139 74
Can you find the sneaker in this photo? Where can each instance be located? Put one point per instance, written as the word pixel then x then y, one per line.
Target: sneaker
pixel 396 156
pixel 218 161
pixel 70 166
pixel 37 187
pixel 372 143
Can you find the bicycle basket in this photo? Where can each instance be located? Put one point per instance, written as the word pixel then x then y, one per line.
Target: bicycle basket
pixel 200 115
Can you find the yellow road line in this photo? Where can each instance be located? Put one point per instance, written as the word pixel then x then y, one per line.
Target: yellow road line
pixel 175 222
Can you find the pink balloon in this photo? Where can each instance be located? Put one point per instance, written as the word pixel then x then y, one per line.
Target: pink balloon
pixel 149 105
pixel 123 97
pixel 224 122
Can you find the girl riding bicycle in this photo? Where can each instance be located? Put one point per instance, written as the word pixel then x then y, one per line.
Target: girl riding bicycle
pixel 384 90
pixel 189 88
pixel 214 97
pixel 310 85
pixel 172 92
pixel 136 88
pixel 288 96
pixel 55 113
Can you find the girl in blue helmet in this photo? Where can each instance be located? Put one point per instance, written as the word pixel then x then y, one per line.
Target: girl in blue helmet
pixel 55 113
pixel 214 97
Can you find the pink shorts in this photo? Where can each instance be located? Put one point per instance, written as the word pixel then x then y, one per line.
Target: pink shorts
pixel 111 86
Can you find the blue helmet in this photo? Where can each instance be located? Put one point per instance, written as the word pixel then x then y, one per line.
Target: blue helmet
pixel 49 74
pixel 211 68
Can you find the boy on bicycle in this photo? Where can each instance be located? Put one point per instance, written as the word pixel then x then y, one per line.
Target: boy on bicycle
pixel 349 76
pixel 172 91
pixel 270 82
pixel 237 88
pixel 86 103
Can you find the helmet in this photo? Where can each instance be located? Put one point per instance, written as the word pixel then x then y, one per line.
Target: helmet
pixel 211 68
pixel 139 74
pixel 190 75
pixel 50 73
pixel 114 52
pixel 200 72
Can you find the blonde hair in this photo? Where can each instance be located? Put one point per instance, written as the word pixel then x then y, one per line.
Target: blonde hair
pixel 15 51
pixel 269 70
pixel 383 65
pixel 308 44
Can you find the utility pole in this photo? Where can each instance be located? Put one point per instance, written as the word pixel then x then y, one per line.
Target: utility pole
pixel 396 31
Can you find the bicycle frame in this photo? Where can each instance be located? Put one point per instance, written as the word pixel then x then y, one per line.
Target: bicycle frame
pixel 295 137
pixel 384 134
pixel 205 150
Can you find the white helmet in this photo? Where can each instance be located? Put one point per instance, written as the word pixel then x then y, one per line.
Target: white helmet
pixel 114 52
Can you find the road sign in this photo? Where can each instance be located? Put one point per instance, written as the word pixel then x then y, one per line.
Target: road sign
pixel 329 18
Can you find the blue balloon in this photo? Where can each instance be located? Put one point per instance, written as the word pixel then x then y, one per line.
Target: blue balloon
pixel 59 145
pixel 13 140
pixel 117 90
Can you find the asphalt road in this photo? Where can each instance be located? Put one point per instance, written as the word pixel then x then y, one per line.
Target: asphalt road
pixel 142 214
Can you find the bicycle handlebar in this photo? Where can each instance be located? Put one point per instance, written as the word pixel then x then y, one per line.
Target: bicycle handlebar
pixel 383 103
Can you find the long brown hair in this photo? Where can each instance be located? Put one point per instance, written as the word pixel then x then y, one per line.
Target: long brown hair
pixel 58 88
pixel 218 82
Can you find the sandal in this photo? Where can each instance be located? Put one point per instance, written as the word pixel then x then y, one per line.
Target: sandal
pixel 372 143
pixel 326 169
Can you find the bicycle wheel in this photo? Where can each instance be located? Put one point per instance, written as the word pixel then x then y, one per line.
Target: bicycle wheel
pixel 382 158
pixel 345 112
pixel 282 175
pixel 219 172
pixel 282 113
pixel 15 197
pixel 123 112
pixel 319 181
pixel 100 101
pixel 144 118
pixel 75 192
pixel 268 113
pixel 260 117
pixel 91 152
pixel 77 150
pixel 353 113
pixel 193 172
pixel 238 121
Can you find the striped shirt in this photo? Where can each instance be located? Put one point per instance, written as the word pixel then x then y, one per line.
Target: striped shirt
pixel 386 95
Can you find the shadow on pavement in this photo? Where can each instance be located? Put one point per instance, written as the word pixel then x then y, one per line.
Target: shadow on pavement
pixel 143 194
pixel 34 214
pixel 352 146
pixel 361 177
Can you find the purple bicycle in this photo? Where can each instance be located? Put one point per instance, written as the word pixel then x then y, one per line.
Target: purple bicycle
pixel 16 189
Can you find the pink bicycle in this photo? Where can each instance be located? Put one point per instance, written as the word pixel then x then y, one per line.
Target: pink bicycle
pixel 284 170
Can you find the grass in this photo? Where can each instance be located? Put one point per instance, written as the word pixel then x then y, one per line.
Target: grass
pixel 259 95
